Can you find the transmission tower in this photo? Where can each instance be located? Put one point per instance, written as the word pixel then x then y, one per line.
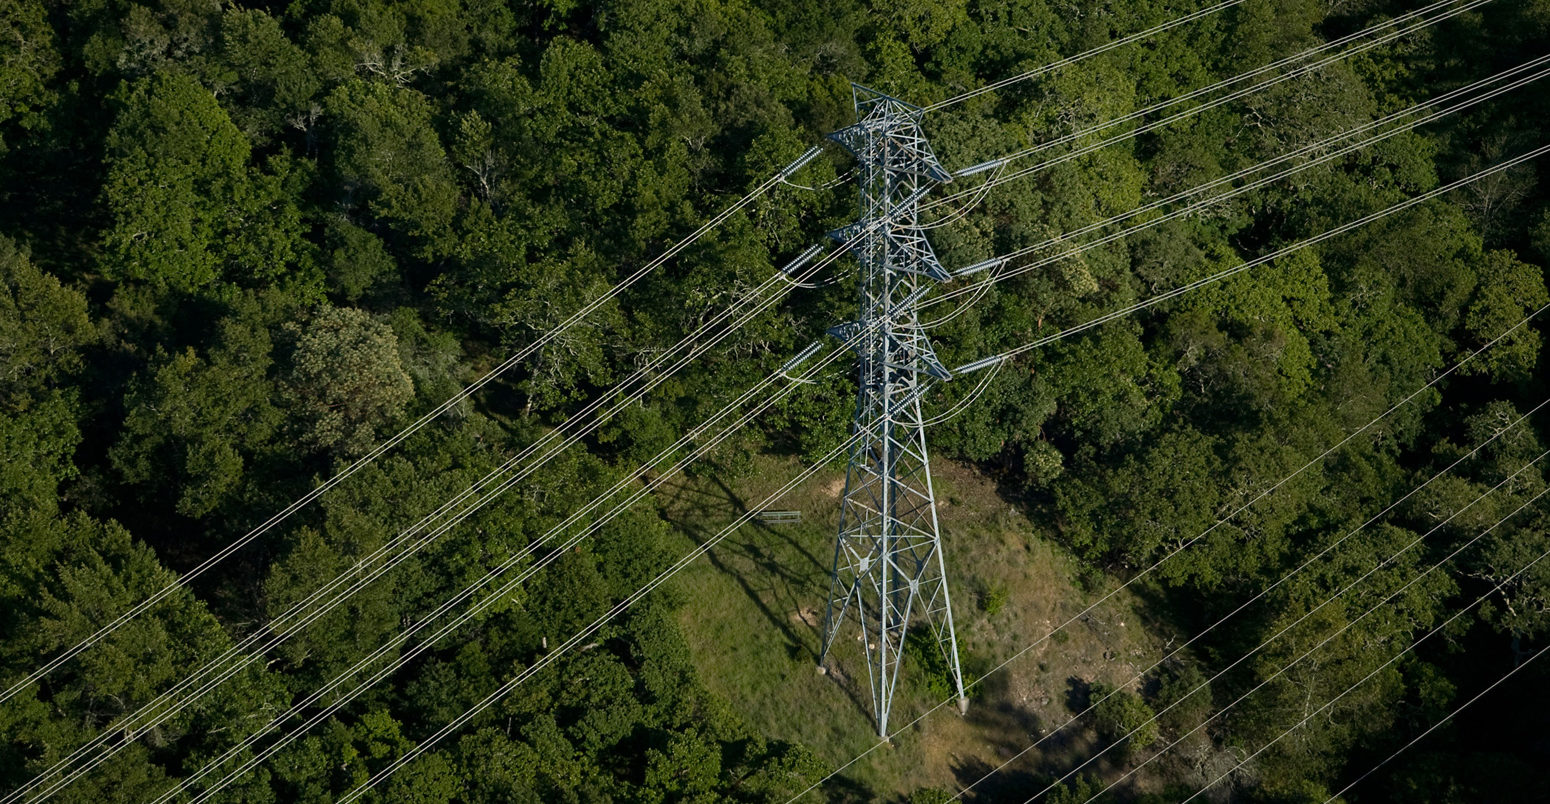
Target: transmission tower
pixel 888 564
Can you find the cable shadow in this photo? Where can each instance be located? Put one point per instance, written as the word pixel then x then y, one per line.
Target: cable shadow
pixel 742 507
pixel 783 588
pixel 706 506
pixel 1006 728
pixel 1011 730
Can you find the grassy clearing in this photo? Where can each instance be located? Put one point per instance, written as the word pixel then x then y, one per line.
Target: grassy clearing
pixel 756 606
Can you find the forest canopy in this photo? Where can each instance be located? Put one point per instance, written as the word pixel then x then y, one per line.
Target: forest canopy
pixel 242 245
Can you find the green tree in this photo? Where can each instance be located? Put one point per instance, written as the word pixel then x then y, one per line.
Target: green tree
pixel 1156 500
pixel 186 210
pixel 1080 790
pixel 1182 697
pixel 344 379
pixel 194 423
pixel 274 85
pixel 687 769
pixel 1508 291
pixel 496 768
pixel 1365 627
pixel 357 262
pixel 37 447
pixel 28 63
pixel 1109 388
pixel 65 577
pixel 387 152
pixel 429 779
pixel 43 326
pixel 1123 717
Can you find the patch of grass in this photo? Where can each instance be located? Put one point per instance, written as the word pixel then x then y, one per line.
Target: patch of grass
pixel 756 607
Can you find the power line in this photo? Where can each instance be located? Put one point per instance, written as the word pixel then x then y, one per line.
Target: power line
pixel 499 594
pixel 995 264
pixel 1186 545
pixel 1301 619
pixel 980 193
pixel 1257 261
pixel 963 404
pixel 380 569
pixel 1429 634
pixel 1083 56
pixel 1417 28
pixel 1451 715
pixel 828 185
pixel 311 616
pixel 549 335
pixel 1258 596
pixel 1317 147
pixel 184 579
pixel 1226 82
pixel 585 633
pixel 1193 111
pixel 571 520
pixel 511 584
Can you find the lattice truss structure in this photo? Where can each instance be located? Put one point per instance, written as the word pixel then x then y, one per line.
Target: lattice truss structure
pixel 888 563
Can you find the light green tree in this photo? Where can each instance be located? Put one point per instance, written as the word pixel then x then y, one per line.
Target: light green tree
pixel 344 379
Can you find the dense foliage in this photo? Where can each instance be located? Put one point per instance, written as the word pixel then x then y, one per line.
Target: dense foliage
pixel 241 245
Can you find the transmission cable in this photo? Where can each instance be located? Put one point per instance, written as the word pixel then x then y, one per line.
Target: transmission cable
pixel 1199 92
pixel 311 616
pixel 1301 619
pixel 148 716
pixel 641 470
pixel 483 604
pixel 980 193
pixel 499 594
pixel 586 310
pixel 781 177
pixel 1451 715
pixel 585 633
pixel 1083 56
pixel 999 263
pixel 1257 261
pixel 828 185
pixel 457 723
pixel 1002 162
pixel 963 404
pixel 1093 705
pixel 1396 657
pixel 510 685
pixel 1182 547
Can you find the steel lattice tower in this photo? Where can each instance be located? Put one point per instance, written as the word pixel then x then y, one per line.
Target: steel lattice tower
pixel 888 564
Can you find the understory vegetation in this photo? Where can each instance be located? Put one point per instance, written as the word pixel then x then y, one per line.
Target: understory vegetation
pixel 242 244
